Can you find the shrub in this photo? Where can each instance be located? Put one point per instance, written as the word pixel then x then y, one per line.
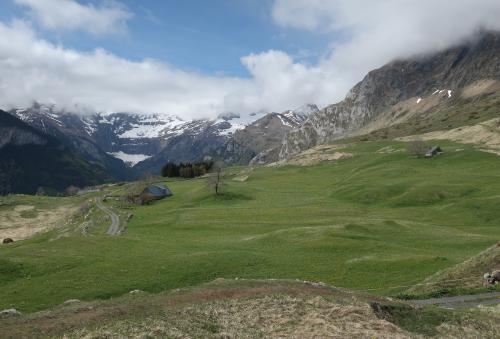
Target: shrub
pixel 146 198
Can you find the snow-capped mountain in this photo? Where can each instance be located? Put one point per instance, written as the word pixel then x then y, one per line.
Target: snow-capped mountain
pixel 152 138
pixel 226 137
pixel 31 159
pixel 260 140
pixel 306 110
pixel 70 130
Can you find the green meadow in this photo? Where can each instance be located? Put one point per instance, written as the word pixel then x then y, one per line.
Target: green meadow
pixel 379 222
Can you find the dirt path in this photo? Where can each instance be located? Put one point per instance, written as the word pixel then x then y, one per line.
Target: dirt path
pixel 463 301
pixel 114 228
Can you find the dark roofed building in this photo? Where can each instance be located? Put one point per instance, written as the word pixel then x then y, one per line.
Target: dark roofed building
pixel 158 191
pixel 433 151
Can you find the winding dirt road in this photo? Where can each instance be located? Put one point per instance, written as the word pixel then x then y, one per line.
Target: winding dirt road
pixel 114 228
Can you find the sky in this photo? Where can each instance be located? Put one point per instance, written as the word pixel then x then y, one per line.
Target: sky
pixel 198 58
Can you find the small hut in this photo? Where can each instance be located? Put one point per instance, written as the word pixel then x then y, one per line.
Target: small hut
pixel 433 151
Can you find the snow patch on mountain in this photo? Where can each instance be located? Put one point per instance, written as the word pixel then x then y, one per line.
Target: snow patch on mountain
pixel 440 91
pixel 240 121
pixel 89 126
pixel 306 110
pixel 283 120
pixel 234 126
pixel 33 113
pixel 129 159
pixel 144 126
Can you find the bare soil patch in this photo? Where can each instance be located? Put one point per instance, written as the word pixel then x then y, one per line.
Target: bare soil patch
pixel 24 221
pixel 486 135
pixel 243 175
pixel 316 155
pixel 481 87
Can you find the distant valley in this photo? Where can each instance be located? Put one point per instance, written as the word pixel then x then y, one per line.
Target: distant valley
pixel 127 145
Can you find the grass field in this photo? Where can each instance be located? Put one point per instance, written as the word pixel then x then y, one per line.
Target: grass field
pixel 379 221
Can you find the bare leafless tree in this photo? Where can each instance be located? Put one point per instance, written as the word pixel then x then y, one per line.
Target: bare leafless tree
pixel 417 148
pixel 134 190
pixel 216 177
pixel 148 179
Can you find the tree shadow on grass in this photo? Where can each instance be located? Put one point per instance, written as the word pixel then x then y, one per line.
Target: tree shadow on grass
pixel 224 198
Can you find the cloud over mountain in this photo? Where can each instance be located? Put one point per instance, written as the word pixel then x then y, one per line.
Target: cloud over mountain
pixel 364 35
pixel 377 32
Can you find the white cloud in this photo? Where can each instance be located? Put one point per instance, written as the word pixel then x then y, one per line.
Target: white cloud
pixel 34 69
pixel 111 17
pixel 378 31
pixel 383 30
pixel 279 84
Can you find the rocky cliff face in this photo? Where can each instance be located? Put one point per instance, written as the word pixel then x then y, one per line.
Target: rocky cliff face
pixel 71 130
pixel 18 137
pixel 259 142
pixel 30 158
pixel 14 133
pixel 448 71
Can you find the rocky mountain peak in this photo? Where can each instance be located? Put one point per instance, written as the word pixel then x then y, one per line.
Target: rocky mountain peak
pixel 400 80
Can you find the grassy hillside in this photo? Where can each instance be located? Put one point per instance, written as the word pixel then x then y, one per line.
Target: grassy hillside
pixel 462 111
pixel 378 221
pixel 461 277
pixel 252 309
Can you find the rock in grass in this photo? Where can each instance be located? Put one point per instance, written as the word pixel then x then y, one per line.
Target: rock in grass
pixel 136 292
pixel 7 240
pixel 11 312
pixel 71 301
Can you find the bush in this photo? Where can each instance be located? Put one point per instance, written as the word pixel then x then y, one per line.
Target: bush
pixel 146 198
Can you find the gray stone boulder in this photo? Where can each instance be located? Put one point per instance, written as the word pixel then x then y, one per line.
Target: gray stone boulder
pixel 71 301
pixel 11 312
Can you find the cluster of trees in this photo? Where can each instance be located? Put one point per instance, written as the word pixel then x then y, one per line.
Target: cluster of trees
pixel 11 177
pixel 214 169
pixel 186 170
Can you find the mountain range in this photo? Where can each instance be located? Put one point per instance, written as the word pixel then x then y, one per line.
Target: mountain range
pixel 416 91
pixel 448 89
pixel 128 145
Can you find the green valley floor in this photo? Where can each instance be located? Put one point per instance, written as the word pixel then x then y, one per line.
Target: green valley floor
pixel 379 221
